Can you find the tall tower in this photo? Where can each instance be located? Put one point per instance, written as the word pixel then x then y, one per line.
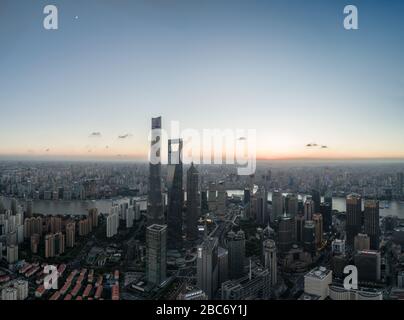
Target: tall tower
pixel 292 205
pixel 315 195
pixel 175 193
pixel 285 233
pixel 353 217
pixel 193 203
pixel 262 207
pixel 326 212
pixel 156 237
pixel 270 261
pixel 309 209
pixel 372 228
pixel 277 204
pixel 236 248
pixel 155 213
pixel 207 266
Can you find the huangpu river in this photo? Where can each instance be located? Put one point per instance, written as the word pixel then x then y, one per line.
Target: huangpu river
pixel 77 207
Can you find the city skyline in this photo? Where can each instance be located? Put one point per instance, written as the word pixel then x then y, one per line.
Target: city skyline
pixel 87 90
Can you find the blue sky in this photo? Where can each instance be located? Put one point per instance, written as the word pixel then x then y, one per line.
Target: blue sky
pixel 287 68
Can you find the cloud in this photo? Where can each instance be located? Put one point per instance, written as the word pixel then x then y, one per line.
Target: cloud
pixel 125 136
pixel 95 134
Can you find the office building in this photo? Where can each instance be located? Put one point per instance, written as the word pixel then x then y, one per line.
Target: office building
pixel 193 203
pixel 318 226
pixel 156 251
pixel 371 223
pixel 236 249
pixel 308 209
pixel 256 285
pixel 326 212
pixel 368 263
pixel 207 266
pixel 309 236
pixel 353 217
pixel 292 205
pixel 317 281
pixel 361 242
pixel 316 197
pixel 262 215
pixel 277 204
pixel 175 194
pixel 285 233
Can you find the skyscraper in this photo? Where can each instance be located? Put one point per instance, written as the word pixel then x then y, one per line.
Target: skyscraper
pixel 221 200
pixel 207 266
pixel 309 209
pixel 371 223
pixel 193 203
pixel 318 223
pixel 309 236
pixel 315 195
pixel 353 217
pixel 326 212
pixel 175 194
pixel 277 204
pixel 292 204
pixel 262 216
pixel 270 261
pixel 368 263
pixel 361 242
pixel 285 233
pixel 155 213
pixel 156 237
pixel 236 249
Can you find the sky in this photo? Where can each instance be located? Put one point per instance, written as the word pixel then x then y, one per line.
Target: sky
pixel 286 68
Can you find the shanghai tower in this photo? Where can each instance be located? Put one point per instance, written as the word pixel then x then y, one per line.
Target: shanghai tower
pixel 155 212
